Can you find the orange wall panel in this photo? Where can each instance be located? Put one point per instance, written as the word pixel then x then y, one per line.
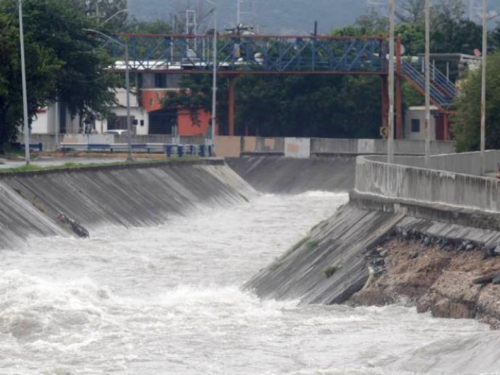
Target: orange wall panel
pixel 152 100
pixel 186 125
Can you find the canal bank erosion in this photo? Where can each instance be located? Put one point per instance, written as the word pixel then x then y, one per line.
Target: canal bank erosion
pixel 429 235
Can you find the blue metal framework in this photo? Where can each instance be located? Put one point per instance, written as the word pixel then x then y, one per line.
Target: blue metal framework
pixel 255 54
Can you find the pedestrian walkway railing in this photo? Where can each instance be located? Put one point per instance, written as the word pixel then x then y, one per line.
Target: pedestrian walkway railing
pixel 170 150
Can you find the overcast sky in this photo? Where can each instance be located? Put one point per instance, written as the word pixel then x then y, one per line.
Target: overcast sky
pixel 273 16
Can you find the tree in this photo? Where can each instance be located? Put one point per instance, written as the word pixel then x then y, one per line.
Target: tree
pixel 467 119
pixel 63 61
pixel 410 11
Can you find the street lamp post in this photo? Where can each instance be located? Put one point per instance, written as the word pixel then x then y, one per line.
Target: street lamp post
pixel 483 85
pixel 25 92
pixel 427 84
pixel 390 135
pixel 127 88
pixel 214 75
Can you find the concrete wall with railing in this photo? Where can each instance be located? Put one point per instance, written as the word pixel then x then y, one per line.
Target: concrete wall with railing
pixel 410 183
pixel 465 163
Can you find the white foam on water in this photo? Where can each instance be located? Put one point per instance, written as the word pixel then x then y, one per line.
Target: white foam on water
pixel 167 300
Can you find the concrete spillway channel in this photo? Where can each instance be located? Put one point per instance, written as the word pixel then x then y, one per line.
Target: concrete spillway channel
pixel 165 284
pixel 329 266
pixel 136 195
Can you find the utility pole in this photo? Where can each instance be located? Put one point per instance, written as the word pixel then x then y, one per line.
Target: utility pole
pixel 483 85
pixel 390 135
pixel 427 84
pixel 25 92
pixel 214 75
pixel 57 124
pixel 129 123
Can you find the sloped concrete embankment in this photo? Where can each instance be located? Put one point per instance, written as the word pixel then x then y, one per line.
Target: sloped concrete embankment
pixel 405 232
pixel 328 266
pixel 131 196
pixel 280 175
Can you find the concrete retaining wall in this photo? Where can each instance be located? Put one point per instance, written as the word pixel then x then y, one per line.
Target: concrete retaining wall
pixel 281 175
pixel 136 195
pixel 299 148
pixel 465 163
pixel 376 146
pixel 413 184
pixel 292 147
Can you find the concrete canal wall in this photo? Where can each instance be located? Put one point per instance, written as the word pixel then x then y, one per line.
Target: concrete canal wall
pixel 430 235
pixel 135 195
pixel 278 175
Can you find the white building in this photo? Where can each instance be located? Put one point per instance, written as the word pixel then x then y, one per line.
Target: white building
pixel 45 121
pixel 139 116
pixel 414 127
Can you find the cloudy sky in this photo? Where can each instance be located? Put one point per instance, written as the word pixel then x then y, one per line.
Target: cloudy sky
pixel 272 16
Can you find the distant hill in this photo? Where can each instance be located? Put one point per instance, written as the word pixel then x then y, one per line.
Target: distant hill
pixel 273 16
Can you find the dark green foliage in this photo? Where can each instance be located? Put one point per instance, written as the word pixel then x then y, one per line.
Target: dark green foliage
pixel 312 244
pixel 62 60
pixel 330 271
pixel 466 122
pixel 301 106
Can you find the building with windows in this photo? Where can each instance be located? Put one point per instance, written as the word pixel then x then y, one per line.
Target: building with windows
pixel 148 115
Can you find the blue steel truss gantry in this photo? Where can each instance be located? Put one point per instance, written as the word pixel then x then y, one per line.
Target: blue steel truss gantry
pixel 256 54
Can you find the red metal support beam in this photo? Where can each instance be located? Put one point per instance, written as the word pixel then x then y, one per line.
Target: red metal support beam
pixel 231 105
pixel 446 126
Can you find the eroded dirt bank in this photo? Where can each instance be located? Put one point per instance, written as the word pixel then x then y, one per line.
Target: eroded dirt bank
pixel 437 275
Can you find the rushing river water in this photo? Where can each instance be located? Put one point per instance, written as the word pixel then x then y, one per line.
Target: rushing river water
pixel 167 300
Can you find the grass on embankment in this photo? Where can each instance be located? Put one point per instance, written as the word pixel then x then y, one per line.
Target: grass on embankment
pixel 73 166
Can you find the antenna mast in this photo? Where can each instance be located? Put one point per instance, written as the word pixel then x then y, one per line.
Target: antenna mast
pixel 243 7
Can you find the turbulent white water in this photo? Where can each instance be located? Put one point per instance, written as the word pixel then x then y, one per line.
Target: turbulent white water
pixel 167 300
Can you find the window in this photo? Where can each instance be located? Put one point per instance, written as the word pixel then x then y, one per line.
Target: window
pixel 415 125
pixel 119 122
pixel 160 81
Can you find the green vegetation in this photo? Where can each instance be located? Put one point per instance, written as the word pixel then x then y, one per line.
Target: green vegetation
pixel 467 120
pixel 330 271
pixel 321 225
pixel 312 244
pixel 62 60
pixel 279 261
pixel 73 166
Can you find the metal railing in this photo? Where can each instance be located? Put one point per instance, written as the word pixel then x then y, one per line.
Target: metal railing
pixel 419 79
pixel 168 149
